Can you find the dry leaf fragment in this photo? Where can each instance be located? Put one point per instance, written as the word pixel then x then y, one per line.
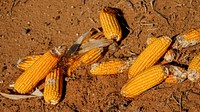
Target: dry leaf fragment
pixel 36 93
pixel 92 43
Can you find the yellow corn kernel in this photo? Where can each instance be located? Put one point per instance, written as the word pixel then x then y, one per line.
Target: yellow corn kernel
pixel 171 79
pixel 38 71
pixel 25 62
pixel 194 69
pixel 187 38
pixel 109 67
pixel 110 24
pixel 150 55
pixel 92 56
pixel 87 58
pixel 144 81
pixel 53 87
pixel 176 74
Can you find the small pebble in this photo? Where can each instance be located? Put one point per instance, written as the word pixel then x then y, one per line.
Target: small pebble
pixel 4 67
pixel 1 81
pixel 25 31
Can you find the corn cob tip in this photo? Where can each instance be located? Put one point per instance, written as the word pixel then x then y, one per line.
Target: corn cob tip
pixel 115 37
pixel 168 38
pixel 123 93
pixel 25 62
pixel 182 77
pixel 127 64
pixel 58 51
pixel 53 102
pixel 19 61
pixel 193 75
pixel 170 56
pixel 109 10
pixel 179 74
pixel 166 71
pixel 93 66
pixel 150 40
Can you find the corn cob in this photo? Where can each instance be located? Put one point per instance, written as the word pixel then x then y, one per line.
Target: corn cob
pixel 110 67
pixel 194 69
pixel 150 55
pixel 53 87
pixel 38 71
pixel 144 81
pixel 25 62
pixel 92 56
pixel 169 56
pixel 110 24
pixel 176 74
pixel 87 58
pixel 187 38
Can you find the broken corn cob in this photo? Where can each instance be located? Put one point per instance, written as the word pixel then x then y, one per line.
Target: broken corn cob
pixel 53 87
pixel 110 24
pixel 87 58
pixel 25 62
pixel 38 71
pixel 144 81
pixel 169 56
pixel 150 55
pixel 176 74
pixel 187 38
pixel 171 79
pixel 194 69
pixel 110 67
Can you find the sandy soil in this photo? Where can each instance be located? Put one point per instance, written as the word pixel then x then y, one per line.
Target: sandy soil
pixel 34 26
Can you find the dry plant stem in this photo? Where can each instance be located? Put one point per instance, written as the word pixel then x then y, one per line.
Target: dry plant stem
pixel 145 6
pixel 179 101
pixel 83 1
pixel 131 4
pixel 152 3
pixel 14 3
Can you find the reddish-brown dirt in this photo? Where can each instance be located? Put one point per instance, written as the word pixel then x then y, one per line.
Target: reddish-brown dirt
pixel 34 26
